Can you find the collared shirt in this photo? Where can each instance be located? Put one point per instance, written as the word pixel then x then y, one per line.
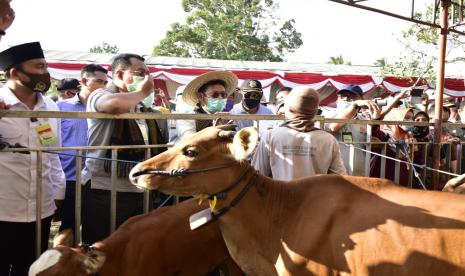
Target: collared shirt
pixel 18 171
pixel 263 126
pixel 99 134
pixel 73 134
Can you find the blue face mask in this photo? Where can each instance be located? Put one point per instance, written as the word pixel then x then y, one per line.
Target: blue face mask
pixel 216 104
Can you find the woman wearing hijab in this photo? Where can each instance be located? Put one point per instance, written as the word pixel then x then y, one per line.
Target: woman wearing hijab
pixel 393 134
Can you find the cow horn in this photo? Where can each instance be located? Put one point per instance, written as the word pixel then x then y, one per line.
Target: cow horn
pixel 228 134
pixel 227 127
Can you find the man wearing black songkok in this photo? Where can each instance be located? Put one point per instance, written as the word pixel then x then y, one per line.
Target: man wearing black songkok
pixel 27 79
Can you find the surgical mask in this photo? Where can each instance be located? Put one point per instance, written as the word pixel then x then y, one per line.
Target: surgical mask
pixel 148 101
pixel 251 103
pixel 135 82
pixel 216 104
pixel 38 82
pixel 229 105
pixel 341 106
pixel 420 131
pixel 407 128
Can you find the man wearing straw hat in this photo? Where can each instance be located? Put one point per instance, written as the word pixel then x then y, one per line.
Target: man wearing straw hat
pixel 207 94
pixel 27 79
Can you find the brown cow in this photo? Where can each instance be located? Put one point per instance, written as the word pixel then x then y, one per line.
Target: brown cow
pixel 159 243
pixel 321 225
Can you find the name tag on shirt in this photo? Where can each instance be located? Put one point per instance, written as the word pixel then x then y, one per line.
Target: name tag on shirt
pixel 45 134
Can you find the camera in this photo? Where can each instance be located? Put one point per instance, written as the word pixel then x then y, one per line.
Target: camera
pixel 381 102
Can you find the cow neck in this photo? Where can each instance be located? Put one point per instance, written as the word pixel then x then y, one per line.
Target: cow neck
pixel 223 194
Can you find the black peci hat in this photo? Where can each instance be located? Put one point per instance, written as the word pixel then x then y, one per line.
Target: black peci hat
pixel 251 86
pixel 19 54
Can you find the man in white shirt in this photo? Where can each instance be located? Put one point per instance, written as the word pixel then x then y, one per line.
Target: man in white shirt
pixel 252 94
pixel 297 148
pixel 27 78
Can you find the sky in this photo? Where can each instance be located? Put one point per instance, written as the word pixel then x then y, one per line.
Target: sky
pixel 328 28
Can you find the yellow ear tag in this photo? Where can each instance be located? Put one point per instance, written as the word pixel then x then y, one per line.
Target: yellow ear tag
pixel 202 197
pixel 213 204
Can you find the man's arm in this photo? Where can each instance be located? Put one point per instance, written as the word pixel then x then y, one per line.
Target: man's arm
pixel 118 103
pixel 351 111
pixel 261 157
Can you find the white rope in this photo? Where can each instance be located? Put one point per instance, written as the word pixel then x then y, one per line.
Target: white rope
pixel 405 162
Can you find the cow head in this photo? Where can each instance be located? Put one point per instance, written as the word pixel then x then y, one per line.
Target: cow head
pixel 212 147
pixel 63 260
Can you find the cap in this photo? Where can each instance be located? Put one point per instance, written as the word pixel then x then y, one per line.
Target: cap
pixel 251 86
pixel 351 88
pixel 20 53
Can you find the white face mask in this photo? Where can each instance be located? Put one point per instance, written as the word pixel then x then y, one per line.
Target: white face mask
pixel 342 105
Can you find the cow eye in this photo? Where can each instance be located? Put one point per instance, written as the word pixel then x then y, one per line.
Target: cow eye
pixel 190 153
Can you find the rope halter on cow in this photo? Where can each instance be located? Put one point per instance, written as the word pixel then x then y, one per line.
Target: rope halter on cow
pixel 213 197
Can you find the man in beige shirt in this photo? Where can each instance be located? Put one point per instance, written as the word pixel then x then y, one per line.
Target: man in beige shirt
pixel 297 148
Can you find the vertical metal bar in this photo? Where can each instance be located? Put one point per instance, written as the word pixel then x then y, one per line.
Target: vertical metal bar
pixel 147 192
pixel 256 123
pixel 397 166
pixel 39 203
pixel 114 176
pixel 351 158
pixel 77 207
pixel 440 90
pixel 412 12
pixel 447 166
pixel 410 172
pixel 459 158
pixel 425 162
pixel 382 173
pixel 367 153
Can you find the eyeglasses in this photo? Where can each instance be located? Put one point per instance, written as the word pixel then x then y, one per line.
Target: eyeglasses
pixel 217 94
pixel 253 95
pixel 140 73
pixel 100 81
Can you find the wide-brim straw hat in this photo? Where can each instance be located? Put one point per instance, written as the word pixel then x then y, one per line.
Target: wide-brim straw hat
pixel 190 97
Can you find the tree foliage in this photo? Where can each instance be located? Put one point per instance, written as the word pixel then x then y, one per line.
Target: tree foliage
pixel 420 54
pixel 232 30
pixel 104 47
pixel 338 60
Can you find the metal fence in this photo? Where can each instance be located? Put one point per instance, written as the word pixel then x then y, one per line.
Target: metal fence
pixel 364 146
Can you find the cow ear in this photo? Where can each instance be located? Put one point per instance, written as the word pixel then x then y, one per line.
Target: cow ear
pixel 244 142
pixel 94 261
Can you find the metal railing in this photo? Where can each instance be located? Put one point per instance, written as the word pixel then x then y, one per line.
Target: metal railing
pixel 256 118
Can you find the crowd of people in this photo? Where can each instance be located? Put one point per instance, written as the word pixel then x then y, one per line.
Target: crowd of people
pixel 292 148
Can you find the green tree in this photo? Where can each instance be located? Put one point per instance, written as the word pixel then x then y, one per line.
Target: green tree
pixel 104 47
pixel 380 62
pixel 232 30
pixel 419 56
pixel 338 60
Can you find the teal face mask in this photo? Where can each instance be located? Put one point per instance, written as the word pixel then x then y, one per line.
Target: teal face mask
pixel 216 104
pixel 135 83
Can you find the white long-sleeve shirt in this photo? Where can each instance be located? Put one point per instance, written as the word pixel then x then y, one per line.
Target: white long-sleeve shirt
pixel 288 154
pixel 18 171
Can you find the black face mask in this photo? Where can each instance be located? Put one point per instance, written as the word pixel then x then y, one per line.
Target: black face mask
pixel 420 131
pixel 38 82
pixel 251 103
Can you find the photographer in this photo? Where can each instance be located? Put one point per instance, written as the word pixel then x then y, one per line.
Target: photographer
pixel 350 105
